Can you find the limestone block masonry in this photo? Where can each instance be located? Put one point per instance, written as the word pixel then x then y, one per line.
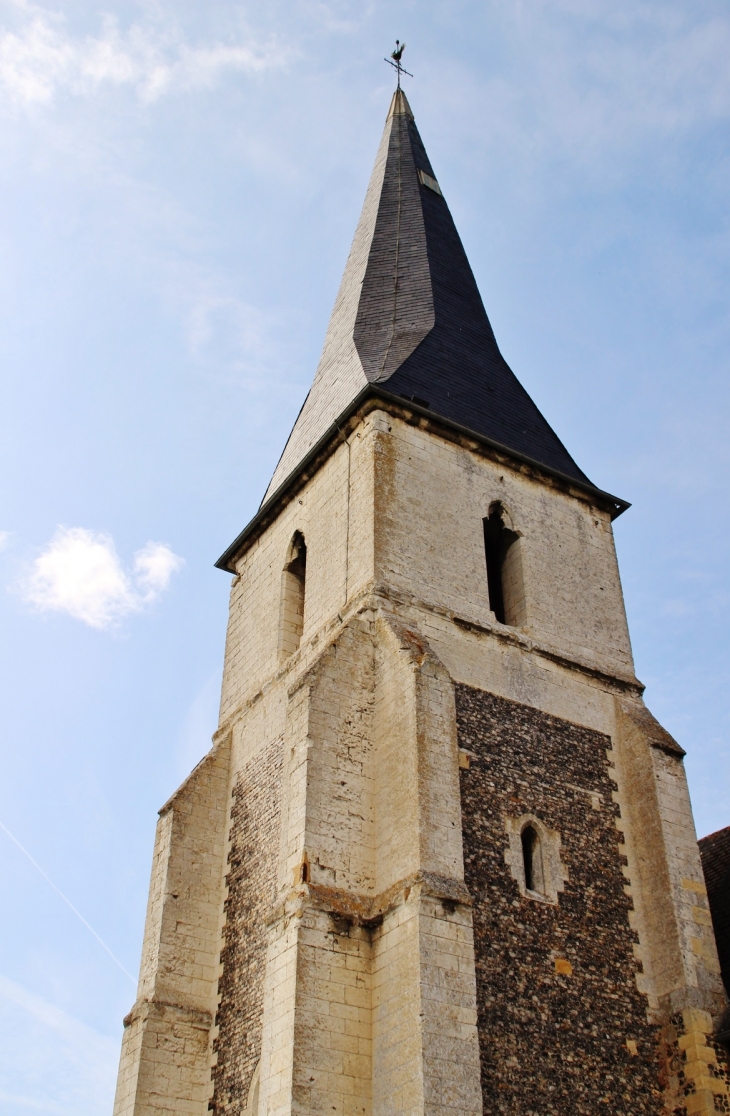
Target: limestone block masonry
pixel 433 864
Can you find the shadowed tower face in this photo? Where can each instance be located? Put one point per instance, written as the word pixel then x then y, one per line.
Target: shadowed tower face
pixel 440 858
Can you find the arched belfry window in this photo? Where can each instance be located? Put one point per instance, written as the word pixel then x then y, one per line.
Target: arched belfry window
pixel 291 613
pixel 503 551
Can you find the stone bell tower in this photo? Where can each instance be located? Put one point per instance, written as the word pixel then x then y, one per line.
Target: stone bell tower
pixel 440 859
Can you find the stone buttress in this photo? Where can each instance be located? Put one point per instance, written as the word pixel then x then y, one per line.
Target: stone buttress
pixel 441 858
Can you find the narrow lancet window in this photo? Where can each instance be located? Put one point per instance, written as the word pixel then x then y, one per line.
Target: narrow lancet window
pixel 502 548
pixel 529 841
pixel 532 861
pixel 291 616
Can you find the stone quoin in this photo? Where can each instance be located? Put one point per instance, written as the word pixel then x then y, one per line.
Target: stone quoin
pixel 440 858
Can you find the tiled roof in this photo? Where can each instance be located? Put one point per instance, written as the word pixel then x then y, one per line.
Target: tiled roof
pixel 715 853
pixel 408 316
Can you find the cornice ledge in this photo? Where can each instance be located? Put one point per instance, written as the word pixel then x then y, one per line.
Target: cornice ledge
pixel 372 598
pixel 622 682
pixel 146 1009
pixel 374 397
pixel 326 634
pixel 366 910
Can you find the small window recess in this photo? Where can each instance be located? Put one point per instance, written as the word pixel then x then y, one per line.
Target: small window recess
pixel 532 864
pixel 291 611
pixel 302 873
pixel 429 181
pixel 534 860
pixel 505 580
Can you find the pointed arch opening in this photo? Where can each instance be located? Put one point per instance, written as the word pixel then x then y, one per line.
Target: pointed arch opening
pixel 505 581
pixel 532 860
pixel 293 586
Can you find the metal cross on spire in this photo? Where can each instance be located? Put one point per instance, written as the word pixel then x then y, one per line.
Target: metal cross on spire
pixel 396 55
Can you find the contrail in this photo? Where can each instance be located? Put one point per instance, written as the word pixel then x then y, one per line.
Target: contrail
pixel 67 901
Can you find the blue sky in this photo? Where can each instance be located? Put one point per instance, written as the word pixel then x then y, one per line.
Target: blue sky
pixel 178 190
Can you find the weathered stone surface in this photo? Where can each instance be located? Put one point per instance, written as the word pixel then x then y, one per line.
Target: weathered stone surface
pixel 165 1062
pixel 251 880
pixel 553 1038
pixel 348 972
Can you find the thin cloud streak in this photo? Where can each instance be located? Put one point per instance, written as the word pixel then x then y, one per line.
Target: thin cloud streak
pixel 67 901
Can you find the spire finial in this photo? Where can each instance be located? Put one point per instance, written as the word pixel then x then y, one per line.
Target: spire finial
pixel 396 55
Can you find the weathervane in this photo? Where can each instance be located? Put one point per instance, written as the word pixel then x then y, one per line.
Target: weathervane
pixel 397 55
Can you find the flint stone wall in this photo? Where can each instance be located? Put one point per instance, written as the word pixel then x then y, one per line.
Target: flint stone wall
pixel 551 1041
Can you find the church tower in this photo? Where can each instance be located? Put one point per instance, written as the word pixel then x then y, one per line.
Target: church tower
pixel 440 858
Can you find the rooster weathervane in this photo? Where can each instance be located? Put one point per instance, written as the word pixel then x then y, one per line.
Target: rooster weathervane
pixel 396 56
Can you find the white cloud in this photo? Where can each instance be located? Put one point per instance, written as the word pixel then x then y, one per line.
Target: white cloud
pixel 5 537
pixel 39 58
pixel 154 565
pixel 80 573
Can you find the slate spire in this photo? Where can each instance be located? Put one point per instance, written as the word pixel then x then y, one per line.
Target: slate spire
pixel 409 318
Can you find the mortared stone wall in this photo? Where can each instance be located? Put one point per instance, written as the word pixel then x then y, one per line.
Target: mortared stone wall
pixel 562 1025
pixel 251 880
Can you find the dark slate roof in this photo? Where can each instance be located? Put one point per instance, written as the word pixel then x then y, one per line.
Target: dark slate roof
pixel 715 853
pixel 409 317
